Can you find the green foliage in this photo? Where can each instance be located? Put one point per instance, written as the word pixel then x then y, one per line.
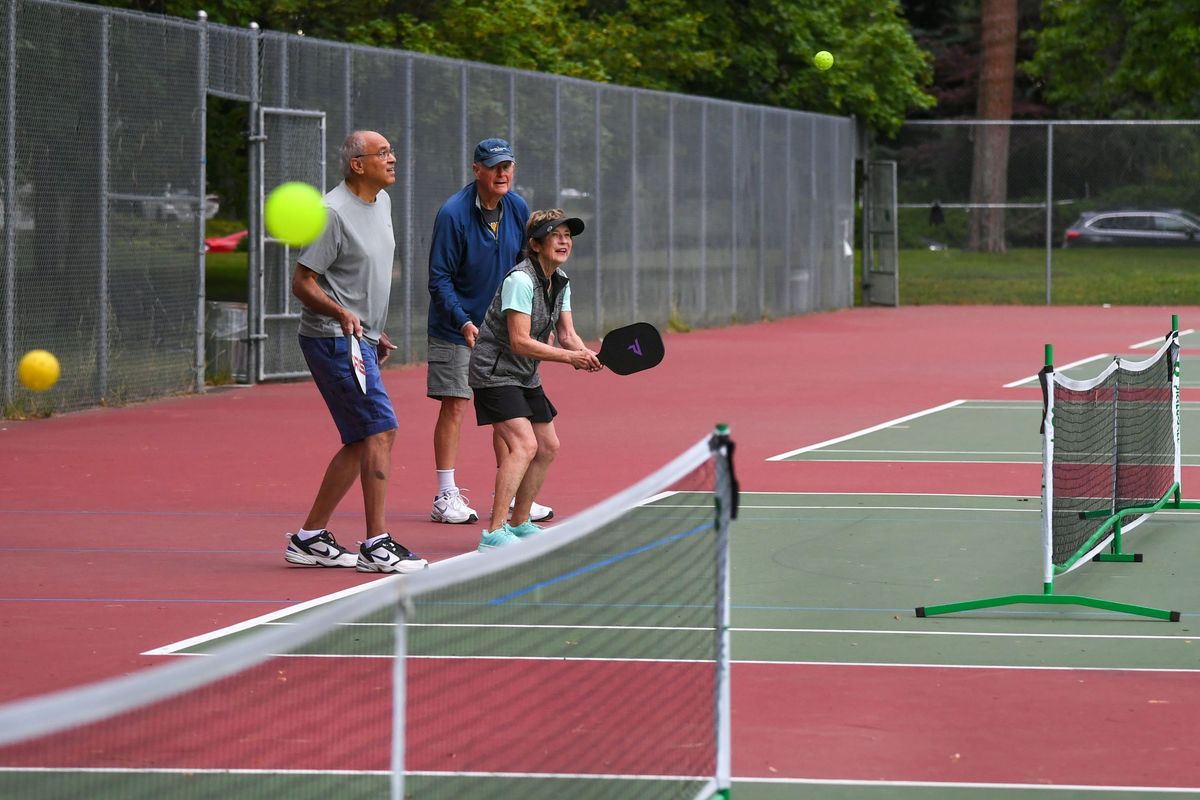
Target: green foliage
pixel 1127 59
pixel 755 51
pixel 879 73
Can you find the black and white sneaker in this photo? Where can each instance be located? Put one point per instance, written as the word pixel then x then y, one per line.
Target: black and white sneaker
pixel 388 555
pixel 320 551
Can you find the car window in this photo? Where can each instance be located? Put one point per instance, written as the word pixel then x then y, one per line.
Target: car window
pixel 1122 223
pixel 1172 224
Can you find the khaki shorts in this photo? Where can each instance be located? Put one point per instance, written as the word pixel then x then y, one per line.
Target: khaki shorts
pixel 446 375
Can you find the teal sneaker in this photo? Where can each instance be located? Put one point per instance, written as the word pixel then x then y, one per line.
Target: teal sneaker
pixel 500 537
pixel 524 530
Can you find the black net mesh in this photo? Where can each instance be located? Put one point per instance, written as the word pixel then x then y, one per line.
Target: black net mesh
pixel 581 663
pixel 591 665
pixel 1114 449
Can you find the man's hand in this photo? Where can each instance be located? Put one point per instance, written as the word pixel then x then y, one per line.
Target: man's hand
pixel 470 333
pixel 351 325
pixel 385 347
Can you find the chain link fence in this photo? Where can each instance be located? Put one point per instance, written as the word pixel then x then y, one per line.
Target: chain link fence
pixel 699 211
pixel 1053 173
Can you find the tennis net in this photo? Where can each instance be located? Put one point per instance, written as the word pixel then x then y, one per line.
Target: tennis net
pixel 589 661
pixel 1110 458
pixel 1111 450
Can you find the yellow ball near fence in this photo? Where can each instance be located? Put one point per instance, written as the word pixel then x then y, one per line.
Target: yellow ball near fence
pixel 38 370
pixel 295 213
pixel 823 60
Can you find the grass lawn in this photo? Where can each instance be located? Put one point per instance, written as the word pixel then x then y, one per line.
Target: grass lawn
pixel 225 276
pixel 1080 276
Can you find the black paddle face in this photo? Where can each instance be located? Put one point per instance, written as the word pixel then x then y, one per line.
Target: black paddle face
pixel 632 348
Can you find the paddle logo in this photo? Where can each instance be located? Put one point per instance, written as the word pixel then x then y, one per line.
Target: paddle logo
pixel 635 347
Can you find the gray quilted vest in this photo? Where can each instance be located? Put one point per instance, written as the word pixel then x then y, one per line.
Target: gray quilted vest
pixel 492 360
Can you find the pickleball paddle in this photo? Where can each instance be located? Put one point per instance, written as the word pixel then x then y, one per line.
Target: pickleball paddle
pixel 356 363
pixel 631 348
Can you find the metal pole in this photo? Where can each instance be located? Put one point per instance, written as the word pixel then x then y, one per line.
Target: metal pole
pixel 733 216
pixel 1049 205
pixel 348 101
pixel 762 212
pixel 202 183
pixel 703 211
pixel 599 201
pixel 102 290
pixel 788 225
pixel 462 125
pixel 254 317
pixel 671 207
pixel 633 203
pixel 10 201
pixel 409 265
pixel 554 203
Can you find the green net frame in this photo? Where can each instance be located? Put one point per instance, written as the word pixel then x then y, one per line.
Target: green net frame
pixel 1089 520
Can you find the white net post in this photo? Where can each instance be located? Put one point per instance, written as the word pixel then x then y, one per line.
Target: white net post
pixel 725 496
pixel 1047 378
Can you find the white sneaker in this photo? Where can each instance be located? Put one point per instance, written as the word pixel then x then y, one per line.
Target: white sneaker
pixel 537 511
pixel 450 506
pixel 388 555
pixel 320 551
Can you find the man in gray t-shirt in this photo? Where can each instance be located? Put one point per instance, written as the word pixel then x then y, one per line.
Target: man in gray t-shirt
pixel 343 280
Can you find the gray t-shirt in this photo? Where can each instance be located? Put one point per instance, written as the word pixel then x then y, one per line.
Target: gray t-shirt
pixel 353 261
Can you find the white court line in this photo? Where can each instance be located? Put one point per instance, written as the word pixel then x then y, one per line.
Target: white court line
pixel 1001 667
pixel 1034 377
pixel 1060 787
pixel 865 431
pixel 175 647
pixel 1040 787
pixel 1158 340
pixel 984 634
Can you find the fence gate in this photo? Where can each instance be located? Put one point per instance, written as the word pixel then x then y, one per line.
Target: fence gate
pixel 292 148
pixel 881 262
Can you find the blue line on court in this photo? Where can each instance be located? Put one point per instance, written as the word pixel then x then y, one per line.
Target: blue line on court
pixel 598 565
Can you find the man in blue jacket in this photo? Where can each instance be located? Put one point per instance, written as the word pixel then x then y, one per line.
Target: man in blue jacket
pixel 478 236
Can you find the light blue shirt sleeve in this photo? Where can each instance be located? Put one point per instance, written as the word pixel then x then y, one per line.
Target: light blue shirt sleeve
pixel 516 294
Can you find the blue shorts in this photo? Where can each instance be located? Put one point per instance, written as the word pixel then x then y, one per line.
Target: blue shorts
pixel 356 415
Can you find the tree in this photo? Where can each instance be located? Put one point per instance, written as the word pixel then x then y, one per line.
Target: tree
pixel 989 178
pixel 756 51
pixel 1123 59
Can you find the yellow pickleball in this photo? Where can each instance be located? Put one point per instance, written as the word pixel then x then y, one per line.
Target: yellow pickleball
pixel 823 60
pixel 295 213
pixel 38 370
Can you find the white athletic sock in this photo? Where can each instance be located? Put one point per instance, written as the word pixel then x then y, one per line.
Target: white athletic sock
pixel 445 480
pixel 304 535
pixel 374 540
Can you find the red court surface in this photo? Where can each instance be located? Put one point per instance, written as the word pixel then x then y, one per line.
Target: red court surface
pixel 127 529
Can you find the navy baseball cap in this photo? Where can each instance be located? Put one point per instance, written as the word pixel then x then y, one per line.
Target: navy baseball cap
pixel 574 225
pixel 491 152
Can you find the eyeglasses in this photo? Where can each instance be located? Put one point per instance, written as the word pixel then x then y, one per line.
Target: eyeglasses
pixel 382 154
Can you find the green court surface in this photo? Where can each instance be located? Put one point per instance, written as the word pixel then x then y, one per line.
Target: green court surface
pixel 983 431
pixel 836 578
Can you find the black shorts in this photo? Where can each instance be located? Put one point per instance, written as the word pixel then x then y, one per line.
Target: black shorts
pixel 500 403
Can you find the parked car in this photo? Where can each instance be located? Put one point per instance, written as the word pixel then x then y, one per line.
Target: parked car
pixel 1134 228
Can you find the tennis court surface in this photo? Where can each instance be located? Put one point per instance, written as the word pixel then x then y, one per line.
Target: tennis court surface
pixel 904 472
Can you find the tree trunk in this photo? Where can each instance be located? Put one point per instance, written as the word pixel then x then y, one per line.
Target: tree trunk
pixel 989 178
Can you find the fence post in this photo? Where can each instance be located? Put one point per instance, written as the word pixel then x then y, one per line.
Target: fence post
pixel 202 191
pixel 10 199
pixel 102 256
pixel 1049 206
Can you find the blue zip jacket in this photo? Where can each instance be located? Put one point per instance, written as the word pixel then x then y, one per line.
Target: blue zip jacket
pixel 467 262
